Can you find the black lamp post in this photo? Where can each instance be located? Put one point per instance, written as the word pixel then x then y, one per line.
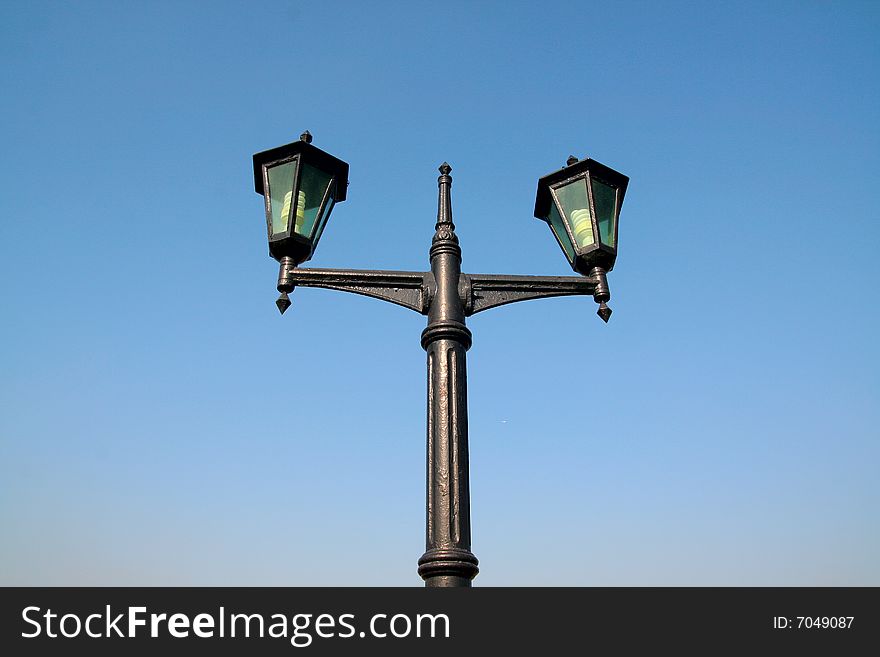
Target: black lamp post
pixel 580 202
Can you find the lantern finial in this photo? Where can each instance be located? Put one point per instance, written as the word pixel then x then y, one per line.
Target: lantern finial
pixel 283 302
pixel 306 137
pixel 601 293
pixel 571 160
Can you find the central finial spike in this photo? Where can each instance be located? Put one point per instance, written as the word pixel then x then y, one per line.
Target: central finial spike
pixel 445 229
pixel 306 137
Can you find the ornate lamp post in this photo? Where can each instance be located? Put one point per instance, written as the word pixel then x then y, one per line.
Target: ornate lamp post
pixel 580 202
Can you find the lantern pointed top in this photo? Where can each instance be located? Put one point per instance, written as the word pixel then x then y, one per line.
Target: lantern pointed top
pixel 445 169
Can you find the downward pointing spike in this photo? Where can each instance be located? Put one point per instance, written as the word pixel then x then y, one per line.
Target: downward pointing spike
pixel 604 312
pixel 283 302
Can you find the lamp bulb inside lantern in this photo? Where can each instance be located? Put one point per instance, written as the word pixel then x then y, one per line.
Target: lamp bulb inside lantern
pixel 582 227
pixel 300 209
pixel 285 207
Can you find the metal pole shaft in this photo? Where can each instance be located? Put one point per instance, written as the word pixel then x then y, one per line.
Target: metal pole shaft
pixel 448 560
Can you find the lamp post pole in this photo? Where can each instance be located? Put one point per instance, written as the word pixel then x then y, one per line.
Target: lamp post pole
pixel 448 560
pixel 447 296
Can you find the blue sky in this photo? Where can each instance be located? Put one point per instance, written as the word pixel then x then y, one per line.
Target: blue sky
pixel 163 424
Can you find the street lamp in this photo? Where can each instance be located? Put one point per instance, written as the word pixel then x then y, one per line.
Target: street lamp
pixel 581 203
pixel 300 184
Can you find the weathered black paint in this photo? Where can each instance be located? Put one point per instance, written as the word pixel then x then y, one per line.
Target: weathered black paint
pixel 447 297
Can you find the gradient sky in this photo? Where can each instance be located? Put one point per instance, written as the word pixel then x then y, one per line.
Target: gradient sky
pixel 162 424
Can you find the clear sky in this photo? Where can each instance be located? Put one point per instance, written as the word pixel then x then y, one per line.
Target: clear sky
pixel 161 423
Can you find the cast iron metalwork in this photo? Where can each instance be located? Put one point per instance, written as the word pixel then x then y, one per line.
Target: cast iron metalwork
pixel 447 297
pixel 483 291
pixel 410 289
pixel 289 247
pixel 596 256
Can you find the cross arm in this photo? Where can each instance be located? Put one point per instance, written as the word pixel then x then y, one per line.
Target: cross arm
pixel 409 289
pixel 415 290
pixel 483 291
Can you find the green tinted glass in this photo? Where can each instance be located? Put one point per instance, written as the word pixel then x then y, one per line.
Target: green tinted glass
pixel 559 230
pixel 280 193
pixel 573 198
pixel 605 200
pixel 312 186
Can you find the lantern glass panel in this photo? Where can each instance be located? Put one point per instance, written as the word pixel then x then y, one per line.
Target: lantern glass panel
pixel 576 204
pixel 312 187
pixel 280 194
pixel 605 202
pixel 325 214
pixel 558 227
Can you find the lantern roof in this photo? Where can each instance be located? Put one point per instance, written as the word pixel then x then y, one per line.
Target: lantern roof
pixel 311 155
pixel 576 168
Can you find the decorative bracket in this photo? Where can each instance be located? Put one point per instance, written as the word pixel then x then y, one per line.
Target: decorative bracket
pixel 410 289
pixel 415 290
pixel 480 292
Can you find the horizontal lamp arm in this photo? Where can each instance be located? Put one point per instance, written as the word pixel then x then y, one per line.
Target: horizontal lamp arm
pixel 410 289
pixel 415 290
pixel 483 291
